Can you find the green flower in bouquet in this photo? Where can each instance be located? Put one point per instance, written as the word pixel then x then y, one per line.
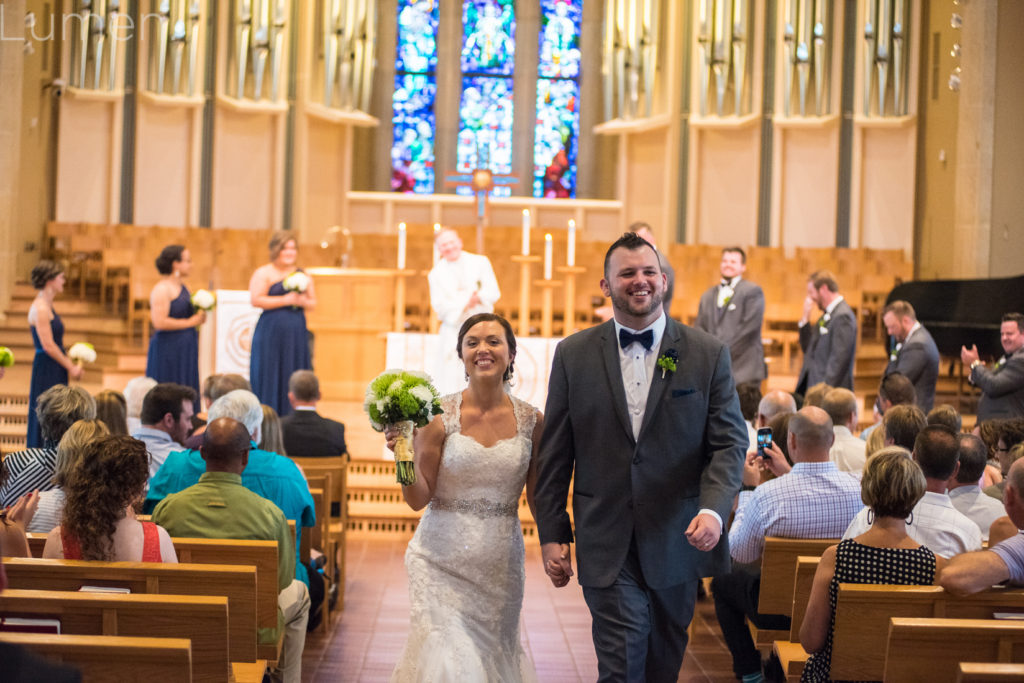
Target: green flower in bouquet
pixel 6 357
pixel 405 400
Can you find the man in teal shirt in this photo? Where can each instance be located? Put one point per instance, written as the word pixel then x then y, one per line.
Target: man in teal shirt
pixel 220 506
pixel 273 476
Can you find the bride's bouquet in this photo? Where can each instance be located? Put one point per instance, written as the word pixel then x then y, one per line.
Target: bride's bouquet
pixel 204 300
pixel 6 357
pixel 82 352
pixel 404 400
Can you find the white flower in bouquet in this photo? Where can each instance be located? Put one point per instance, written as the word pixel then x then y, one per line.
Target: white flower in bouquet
pixel 296 282
pixel 405 400
pixel 204 300
pixel 82 352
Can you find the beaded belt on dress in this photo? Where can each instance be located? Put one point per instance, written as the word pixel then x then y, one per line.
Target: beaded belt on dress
pixel 477 506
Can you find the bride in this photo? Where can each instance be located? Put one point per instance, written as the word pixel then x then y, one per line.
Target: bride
pixel 465 562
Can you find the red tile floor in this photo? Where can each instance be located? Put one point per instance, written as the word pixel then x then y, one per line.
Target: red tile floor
pixel 367 637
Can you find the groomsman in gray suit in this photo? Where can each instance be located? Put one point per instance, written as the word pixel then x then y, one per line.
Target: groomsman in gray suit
pixel 830 344
pixel 1002 385
pixel 913 351
pixel 643 412
pixel 733 311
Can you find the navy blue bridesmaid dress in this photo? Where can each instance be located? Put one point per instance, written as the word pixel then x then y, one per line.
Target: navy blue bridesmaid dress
pixel 280 346
pixel 46 372
pixel 174 354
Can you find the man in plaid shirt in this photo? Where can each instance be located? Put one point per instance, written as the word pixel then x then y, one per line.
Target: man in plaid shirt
pixel 813 499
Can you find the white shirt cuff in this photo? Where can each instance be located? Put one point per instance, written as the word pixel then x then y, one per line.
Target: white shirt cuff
pixel 718 518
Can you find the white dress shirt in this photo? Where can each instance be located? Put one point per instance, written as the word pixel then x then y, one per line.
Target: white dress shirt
pixel 937 525
pixel 847 452
pixel 982 509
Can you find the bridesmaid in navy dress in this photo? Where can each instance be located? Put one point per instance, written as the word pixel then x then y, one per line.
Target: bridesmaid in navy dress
pixel 51 365
pixel 174 347
pixel 280 344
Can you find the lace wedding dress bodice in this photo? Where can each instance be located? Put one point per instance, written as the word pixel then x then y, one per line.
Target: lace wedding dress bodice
pixel 465 562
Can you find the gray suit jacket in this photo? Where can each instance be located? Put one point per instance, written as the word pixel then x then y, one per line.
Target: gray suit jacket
pixel 738 324
pixel 918 359
pixel 829 349
pixel 1002 389
pixel 689 456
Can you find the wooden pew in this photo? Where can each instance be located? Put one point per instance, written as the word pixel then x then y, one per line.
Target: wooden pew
pixel 113 658
pixel 932 649
pixel 989 672
pixel 201 619
pixel 791 653
pixel 778 565
pixel 863 612
pixel 336 466
pixel 237 583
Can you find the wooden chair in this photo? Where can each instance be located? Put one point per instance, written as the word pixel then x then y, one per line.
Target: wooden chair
pixel 237 583
pixel 932 649
pixel 201 619
pixel 113 658
pixel 989 672
pixel 863 612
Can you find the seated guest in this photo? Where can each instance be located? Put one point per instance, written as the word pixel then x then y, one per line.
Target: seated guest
pixel 1003 561
pixel 774 403
pixel 270 431
pixel 99 518
pixel 111 409
pixel 69 452
pixel 166 421
pixel 214 387
pixel 895 389
pixel 14 521
pixel 1002 436
pixel 306 433
pixel 875 443
pixel 815 396
pixel 847 452
pixel 58 408
pixel 945 414
pixel 812 500
pixel 935 522
pixel 219 506
pixel 883 553
pixel 749 394
pixel 272 476
pixel 134 392
pixel 964 491
pixel 901 425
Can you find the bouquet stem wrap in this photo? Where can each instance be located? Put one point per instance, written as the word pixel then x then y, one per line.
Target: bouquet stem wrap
pixel 404 469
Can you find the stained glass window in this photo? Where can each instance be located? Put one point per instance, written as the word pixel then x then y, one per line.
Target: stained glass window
pixel 485 108
pixel 412 151
pixel 556 132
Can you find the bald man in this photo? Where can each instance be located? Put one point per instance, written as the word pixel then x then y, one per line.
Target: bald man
pixel 219 506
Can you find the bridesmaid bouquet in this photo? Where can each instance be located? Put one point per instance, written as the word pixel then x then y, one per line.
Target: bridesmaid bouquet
pixel 6 357
pixel 405 400
pixel 82 352
pixel 296 282
pixel 204 300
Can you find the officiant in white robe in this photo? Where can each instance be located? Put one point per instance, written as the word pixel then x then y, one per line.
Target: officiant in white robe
pixel 461 284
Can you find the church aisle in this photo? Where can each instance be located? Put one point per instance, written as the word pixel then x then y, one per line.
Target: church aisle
pixel 368 636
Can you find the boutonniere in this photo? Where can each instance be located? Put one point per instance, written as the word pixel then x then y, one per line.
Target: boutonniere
pixel 667 361
pixel 823 323
pixel 895 353
pixel 999 363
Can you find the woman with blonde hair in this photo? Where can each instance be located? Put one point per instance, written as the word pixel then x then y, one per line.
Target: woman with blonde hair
pixel 272 438
pixel 891 486
pixel 99 517
pixel 69 451
pixel 280 343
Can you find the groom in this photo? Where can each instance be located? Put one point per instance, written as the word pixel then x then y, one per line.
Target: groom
pixel 645 410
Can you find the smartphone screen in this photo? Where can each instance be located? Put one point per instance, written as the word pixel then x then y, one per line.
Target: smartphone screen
pixel 764 440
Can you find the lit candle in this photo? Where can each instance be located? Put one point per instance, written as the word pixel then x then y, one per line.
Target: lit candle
pixel 547 256
pixel 526 232
pixel 570 249
pixel 437 254
pixel 401 246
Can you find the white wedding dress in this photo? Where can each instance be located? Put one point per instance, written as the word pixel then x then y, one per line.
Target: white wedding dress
pixel 465 562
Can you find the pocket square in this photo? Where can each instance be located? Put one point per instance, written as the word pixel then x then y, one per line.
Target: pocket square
pixel 683 392
pixel 732 307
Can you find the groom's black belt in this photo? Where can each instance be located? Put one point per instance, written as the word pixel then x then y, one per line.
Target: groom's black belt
pixel 477 506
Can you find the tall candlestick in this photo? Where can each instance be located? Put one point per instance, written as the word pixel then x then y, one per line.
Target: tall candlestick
pixel 526 232
pixel 570 249
pixel 547 256
pixel 401 246
pixel 437 254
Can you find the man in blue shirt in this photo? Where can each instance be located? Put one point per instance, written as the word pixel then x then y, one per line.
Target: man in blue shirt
pixel 267 474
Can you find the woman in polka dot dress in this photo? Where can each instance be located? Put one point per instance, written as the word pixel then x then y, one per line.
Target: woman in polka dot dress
pixel 884 554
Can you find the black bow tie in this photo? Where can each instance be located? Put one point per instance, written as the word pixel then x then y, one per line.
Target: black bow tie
pixel 726 283
pixel 646 338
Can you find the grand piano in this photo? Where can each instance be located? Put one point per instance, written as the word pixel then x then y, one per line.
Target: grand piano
pixel 963 312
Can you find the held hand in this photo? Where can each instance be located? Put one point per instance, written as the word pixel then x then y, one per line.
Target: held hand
pixel 557 563
pixel 752 469
pixel 75 372
pixel 774 461
pixel 293 299
pixel 703 532
pixel 968 355
pixel 198 318
pixel 391 434
pixel 22 512
pixel 474 300
pixel 808 308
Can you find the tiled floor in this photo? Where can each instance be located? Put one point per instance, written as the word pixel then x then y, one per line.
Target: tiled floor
pixel 368 636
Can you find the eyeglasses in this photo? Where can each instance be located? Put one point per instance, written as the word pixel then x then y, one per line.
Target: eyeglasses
pixel 997 449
